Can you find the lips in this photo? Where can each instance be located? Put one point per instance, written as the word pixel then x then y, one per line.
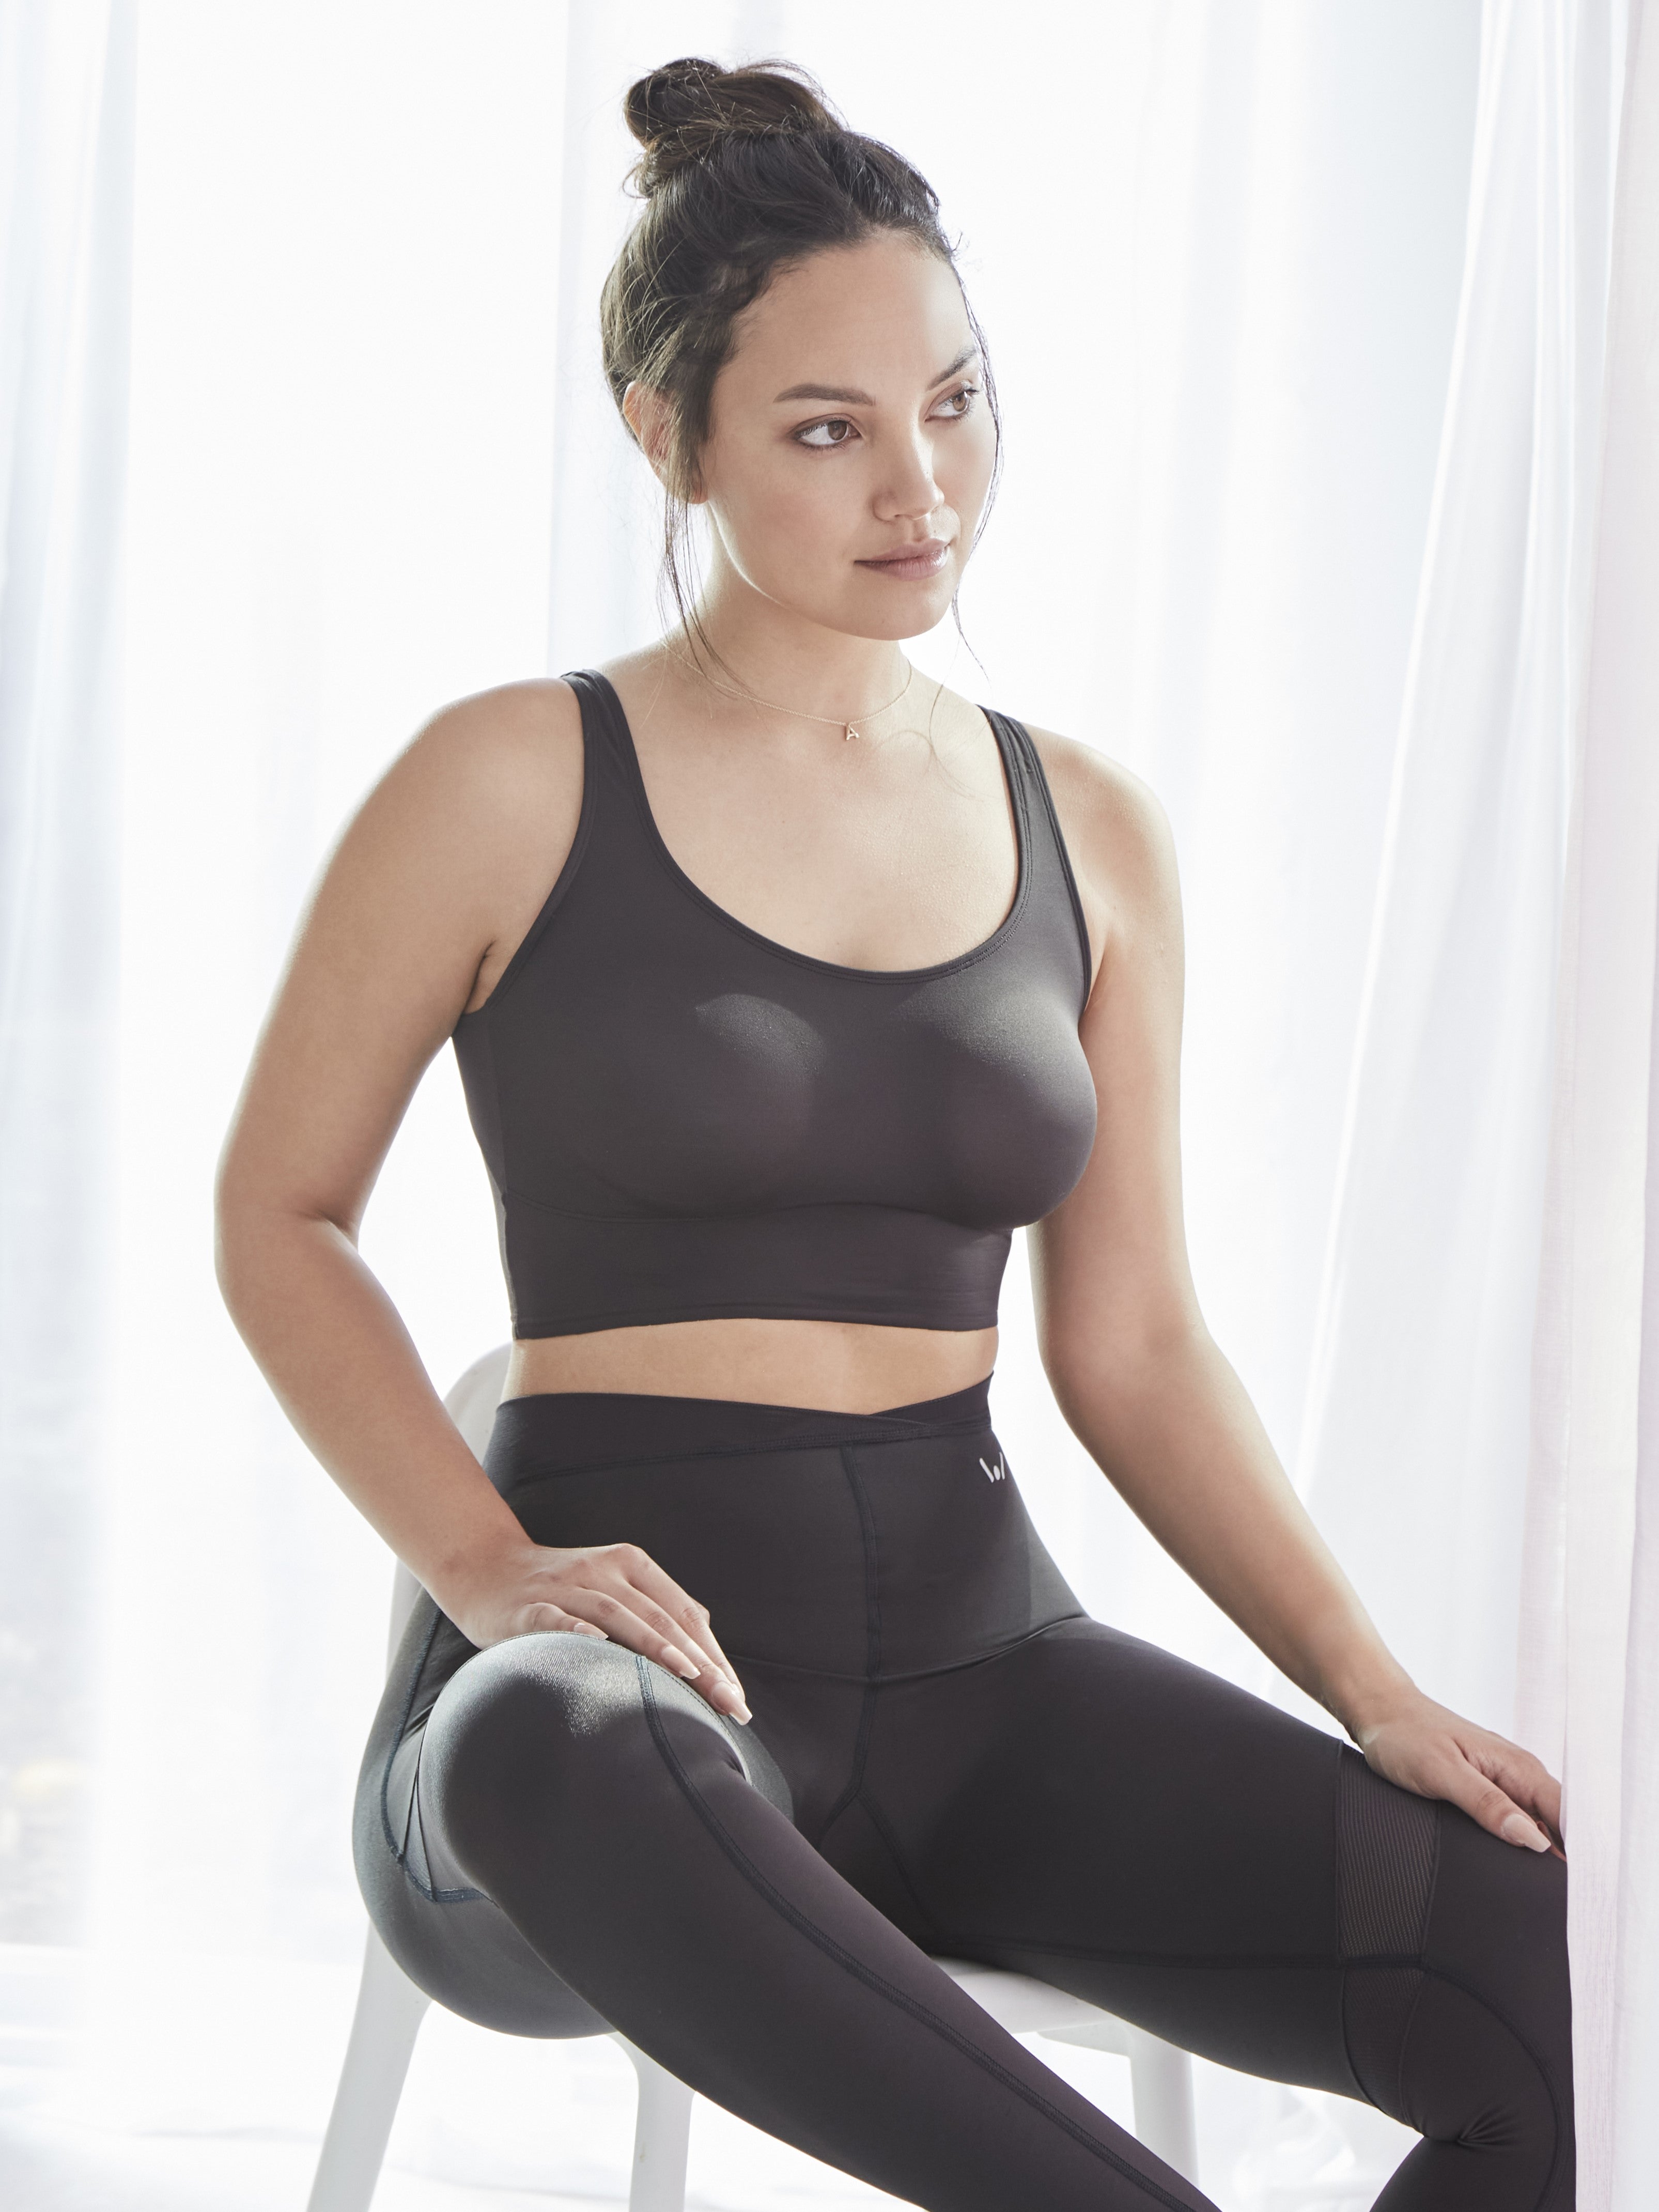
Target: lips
pixel 910 562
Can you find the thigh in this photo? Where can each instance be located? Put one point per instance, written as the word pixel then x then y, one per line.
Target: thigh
pixel 526 1739
pixel 451 1939
pixel 628 1835
pixel 1096 1812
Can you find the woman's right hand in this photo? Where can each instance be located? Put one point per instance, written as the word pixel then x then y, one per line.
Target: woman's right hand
pixel 607 1590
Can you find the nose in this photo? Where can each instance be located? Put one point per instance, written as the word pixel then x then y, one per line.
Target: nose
pixel 909 493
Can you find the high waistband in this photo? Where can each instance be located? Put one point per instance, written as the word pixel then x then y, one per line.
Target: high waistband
pixel 871 1546
pixel 550 1430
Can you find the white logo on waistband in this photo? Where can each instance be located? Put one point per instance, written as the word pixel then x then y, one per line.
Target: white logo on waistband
pixel 997 1474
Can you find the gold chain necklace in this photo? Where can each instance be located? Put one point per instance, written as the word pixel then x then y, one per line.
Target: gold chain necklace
pixel 849 730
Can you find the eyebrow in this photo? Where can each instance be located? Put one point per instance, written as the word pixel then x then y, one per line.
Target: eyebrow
pixel 849 398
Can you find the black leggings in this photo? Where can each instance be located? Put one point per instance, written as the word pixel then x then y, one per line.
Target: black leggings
pixel 947 1756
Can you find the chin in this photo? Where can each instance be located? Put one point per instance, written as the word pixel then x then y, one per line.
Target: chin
pixel 894 611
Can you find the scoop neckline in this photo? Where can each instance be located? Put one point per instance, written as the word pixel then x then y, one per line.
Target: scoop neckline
pixel 619 715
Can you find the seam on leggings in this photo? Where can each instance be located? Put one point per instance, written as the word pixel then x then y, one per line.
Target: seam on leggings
pixel 400 1857
pixel 1425 1973
pixel 1457 1982
pixel 1388 1842
pixel 905 1673
pixel 1342 2023
pixel 1405 2039
pixel 871 1569
pixel 1434 1871
pixel 433 1895
pixel 1386 1860
pixel 878 1822
pixel 872 1642
pixel 1309 1961
pixel 828 1440
pixel 401 1853
pixel 852 1963
pixel 1336 1916
pixel 401 1731
pixel 1371 1966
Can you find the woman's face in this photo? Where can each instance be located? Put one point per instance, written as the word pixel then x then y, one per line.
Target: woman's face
pixel 850 447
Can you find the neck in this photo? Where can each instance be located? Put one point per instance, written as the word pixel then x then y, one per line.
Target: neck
pixel 778 655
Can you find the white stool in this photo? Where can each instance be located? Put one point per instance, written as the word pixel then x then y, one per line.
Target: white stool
pixel 390 2010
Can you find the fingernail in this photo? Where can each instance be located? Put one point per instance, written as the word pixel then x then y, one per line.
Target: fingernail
pixel 684 1667
pixel 1518 1829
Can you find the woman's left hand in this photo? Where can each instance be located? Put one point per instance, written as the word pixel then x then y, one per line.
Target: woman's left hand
pixel 1423 1746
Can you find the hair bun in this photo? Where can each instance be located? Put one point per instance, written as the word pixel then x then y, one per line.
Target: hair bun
pixel 683 112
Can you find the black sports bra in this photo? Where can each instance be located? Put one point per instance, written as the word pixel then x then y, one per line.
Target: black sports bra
pixel 683 1120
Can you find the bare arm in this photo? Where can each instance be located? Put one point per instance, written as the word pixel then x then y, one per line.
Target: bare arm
pixel 1144 1386
pixel 432 884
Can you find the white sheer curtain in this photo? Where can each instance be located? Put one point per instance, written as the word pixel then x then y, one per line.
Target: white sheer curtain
pixel 1590 1670
pixel 66 98
pixel 1260 345
pixel 1415 1447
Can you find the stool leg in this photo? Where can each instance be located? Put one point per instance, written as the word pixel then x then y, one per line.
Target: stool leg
pixel 662 2137
pixel 1161 2080
pixel 383 2030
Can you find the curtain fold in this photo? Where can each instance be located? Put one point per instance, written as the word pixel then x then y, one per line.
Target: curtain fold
pixel 1415 1439
pixel 1590 1624
pixel 66 165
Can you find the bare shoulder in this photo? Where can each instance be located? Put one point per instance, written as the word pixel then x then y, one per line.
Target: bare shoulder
pixel 484 800
pixel 442 867
pixel 479 761
pixel 1111 816
pixel 1118 836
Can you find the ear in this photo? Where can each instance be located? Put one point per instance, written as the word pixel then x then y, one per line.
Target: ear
pixel 649 414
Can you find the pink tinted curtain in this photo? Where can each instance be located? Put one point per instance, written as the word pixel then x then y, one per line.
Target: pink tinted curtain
pixel 1590 1622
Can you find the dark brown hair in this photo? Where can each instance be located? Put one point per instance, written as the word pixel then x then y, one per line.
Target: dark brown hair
pixel 746 171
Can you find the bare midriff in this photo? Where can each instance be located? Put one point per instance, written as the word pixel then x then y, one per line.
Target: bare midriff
pixel 845 1367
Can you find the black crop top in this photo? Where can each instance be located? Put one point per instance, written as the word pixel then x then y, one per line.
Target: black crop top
pixel 682 1120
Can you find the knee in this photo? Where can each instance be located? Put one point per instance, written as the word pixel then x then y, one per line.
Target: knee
pixel 1476 2084
pixel 529 1727
pixel 1498 1928
pixel 1473 2047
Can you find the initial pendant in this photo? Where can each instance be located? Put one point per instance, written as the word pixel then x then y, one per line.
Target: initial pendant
pixel 848 734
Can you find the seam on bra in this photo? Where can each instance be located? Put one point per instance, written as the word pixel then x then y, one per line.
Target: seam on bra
pixel 538 1328
pixel 851 1963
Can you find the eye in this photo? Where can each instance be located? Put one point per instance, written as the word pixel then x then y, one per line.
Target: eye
pixel 823 436
pixel 958 403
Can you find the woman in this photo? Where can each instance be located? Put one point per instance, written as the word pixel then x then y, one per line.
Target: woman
pixel 784 985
